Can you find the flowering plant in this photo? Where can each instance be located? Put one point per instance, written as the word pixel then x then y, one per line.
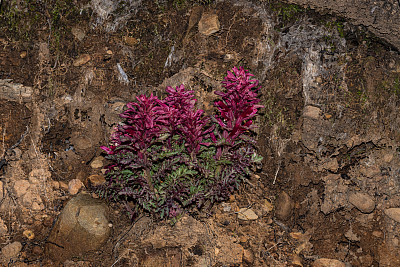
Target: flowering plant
pixel 168 156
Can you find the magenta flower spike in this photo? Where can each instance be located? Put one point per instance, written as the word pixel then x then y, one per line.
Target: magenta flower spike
pixel 168 157
pixel 238 104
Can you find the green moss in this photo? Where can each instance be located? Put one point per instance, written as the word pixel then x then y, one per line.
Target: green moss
pixel 391 86
pixel 17 20
pixel 179 4
pixel 286 13
pixel 276 115
pixel 22 21
pixel 204 2
pixel 336 25
pixel 396 86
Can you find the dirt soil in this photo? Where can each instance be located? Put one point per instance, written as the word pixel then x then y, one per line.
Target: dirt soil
pixel 329 131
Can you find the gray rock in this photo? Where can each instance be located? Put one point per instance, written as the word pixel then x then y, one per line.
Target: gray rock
pixel 97 163
pixel 131 41
pixel 324 262
pixel 393 213
pixel 74 186
pixel 284 206
pixel 81 60
pixel 209 24
pixel 81 227
pixel 21 187
pixel 350 235
pixel 246 214
pixel 15 91
pixel 95 180
pixel 10 251
pixel 312 112
pixel 363 202
pixel 78 33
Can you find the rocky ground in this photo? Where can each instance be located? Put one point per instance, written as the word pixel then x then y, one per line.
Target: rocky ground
pixel 328 191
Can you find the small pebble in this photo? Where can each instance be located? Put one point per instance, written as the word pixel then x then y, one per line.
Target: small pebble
pixel 82 60
pixel 78 33
pixel 296 235
pixel 21 187
pixel 131 41
pixel 312 112
pixel 377 234
pixel 362 202
pixel 267 206
pixel 29 234
pixel 95 180
pixel 226 207
pixel 97 163
pixel 74 186
pixel 23 54
pixel 246 214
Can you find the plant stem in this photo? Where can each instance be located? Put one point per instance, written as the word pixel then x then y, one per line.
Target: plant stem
pixel 147 175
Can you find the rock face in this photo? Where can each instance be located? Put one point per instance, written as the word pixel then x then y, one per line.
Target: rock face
pixel 380 17
pixel 82 227
pixel 188 238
